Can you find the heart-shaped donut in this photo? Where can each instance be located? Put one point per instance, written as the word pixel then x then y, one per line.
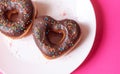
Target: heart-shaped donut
pixel 16 17
pixel 54 38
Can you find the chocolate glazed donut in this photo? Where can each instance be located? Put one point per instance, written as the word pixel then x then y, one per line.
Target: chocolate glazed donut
pixel 16 17
pixel 54 38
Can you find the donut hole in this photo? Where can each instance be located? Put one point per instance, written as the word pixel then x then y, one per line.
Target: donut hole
pixel 55 37
pixel 11 15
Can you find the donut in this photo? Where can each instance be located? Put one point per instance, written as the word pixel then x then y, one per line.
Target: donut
pixel 16 17
pixel 54 38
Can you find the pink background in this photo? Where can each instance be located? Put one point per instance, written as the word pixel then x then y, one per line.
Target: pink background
pixel 105 55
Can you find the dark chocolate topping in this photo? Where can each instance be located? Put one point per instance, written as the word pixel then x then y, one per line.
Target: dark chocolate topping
pixel 15 16
pixel 53 37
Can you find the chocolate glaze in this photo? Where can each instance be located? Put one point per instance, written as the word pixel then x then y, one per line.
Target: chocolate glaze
pixel 15 16
pixel 53 37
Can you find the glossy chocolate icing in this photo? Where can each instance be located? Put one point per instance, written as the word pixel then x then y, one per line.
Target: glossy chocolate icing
pixel 15 16
pixel 53 37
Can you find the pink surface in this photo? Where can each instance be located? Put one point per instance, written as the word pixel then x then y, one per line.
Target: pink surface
pixel 1 73
pixel 105 55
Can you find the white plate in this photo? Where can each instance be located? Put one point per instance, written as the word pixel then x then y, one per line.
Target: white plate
pixel 23 57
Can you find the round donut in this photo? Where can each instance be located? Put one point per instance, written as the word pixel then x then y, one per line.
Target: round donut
pixel 16 17
pixel 54 38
